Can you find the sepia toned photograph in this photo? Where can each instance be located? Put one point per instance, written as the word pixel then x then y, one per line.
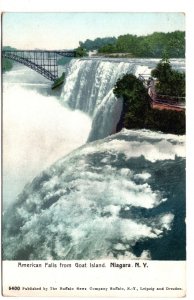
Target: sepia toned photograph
pixel 93 138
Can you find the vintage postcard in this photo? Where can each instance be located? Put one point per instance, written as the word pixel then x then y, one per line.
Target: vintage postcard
pixel 93 108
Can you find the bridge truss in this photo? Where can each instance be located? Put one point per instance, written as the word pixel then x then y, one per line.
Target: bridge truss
pixel 41 61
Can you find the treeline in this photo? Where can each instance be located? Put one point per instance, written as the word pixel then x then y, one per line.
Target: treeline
pixel 153 45
pixel 98 43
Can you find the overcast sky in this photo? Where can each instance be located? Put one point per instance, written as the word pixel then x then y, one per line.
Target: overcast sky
pixel 65 30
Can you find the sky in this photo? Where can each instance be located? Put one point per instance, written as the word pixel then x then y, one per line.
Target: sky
pixel 65 30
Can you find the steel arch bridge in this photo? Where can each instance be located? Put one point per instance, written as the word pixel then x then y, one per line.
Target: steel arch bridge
pixel 41 61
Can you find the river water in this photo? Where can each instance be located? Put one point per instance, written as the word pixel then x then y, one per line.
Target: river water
pixel 73 189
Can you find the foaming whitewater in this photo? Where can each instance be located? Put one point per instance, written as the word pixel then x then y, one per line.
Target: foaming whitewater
pixel 107 199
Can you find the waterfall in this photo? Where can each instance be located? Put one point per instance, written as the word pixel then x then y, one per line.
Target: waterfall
pixel 89 88
pixel 106 117
pixel 132 182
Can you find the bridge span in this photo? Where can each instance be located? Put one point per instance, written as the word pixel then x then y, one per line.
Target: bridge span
pixel 42 61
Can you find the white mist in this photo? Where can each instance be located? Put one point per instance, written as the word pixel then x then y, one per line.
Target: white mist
pixel 37 130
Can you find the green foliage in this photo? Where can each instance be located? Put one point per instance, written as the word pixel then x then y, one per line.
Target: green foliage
pixel 136 100
pixel 137 112
pixel 7 63
pixel 153 45
pixel 170 82
pixel 8 48
pixel 81 52
pixel 127 43
pixel 90 45
pixel 109 48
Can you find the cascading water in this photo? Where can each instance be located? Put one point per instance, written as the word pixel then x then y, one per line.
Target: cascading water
pixel 119 197
pixel 88 87
pixel 106 117
pixel 89 81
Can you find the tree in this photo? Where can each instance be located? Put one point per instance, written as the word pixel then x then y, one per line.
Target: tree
pixel 7 63
pixel 135 100
pixel 170 82
pixel 80 52
pixel 98 43
pixel 109 48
